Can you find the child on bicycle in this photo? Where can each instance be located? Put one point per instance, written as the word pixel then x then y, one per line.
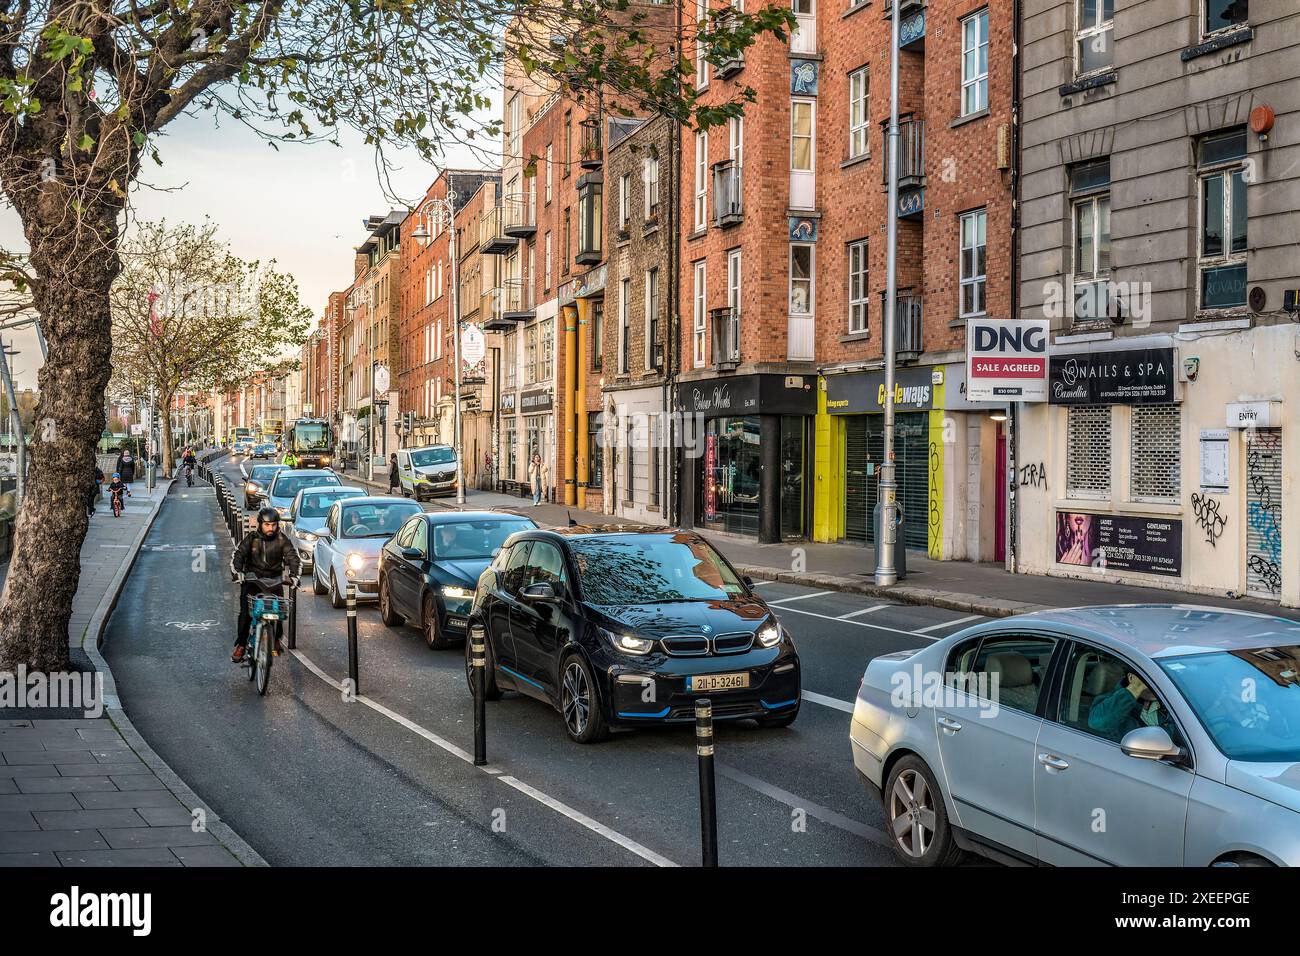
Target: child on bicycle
pixel 115 489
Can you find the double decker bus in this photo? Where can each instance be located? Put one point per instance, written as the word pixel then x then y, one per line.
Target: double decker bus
pixel 311 440
pixel 239 434
pixel 272 429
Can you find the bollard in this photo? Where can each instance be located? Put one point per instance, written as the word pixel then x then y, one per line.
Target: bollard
pixel 293 618
pixel 478 660
pixel 708 793
pixel 352 639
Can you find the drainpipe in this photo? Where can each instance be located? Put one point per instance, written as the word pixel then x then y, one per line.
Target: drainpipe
pixel 570 314
pixel 580 405
pixel 1013 436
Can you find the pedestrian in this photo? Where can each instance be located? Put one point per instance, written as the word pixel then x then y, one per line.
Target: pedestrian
pixel 535 469
pixel 126 466
pixel 394 478
pixel 94 494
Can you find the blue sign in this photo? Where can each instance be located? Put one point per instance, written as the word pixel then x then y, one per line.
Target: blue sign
pixel 912 28
pixel 911 203
pixel 803 229
pixel 803 77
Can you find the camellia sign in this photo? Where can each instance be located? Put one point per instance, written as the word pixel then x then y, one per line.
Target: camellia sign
pixel 473 353
pixel 1006 360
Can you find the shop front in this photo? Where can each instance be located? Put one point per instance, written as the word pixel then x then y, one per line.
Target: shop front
pixel 747 454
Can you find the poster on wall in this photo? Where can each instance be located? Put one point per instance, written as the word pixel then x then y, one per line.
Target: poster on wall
pixel 1120 542
pixel 1006 360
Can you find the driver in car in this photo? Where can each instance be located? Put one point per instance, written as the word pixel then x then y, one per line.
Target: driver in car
pixel 1132 704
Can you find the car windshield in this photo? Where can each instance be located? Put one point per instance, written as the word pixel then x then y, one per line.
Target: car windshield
pixel 1248 700
pixel 290 485
pixel 432 456
pixel 459 540
pixel 651 569
pixel 264 472
pixel 318 506
pixel 380 520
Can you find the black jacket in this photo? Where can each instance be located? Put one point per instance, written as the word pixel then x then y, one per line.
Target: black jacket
pixel 266 559
pixel 126 468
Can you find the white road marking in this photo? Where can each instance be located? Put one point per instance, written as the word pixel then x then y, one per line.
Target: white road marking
pixel 832 702
pixel 801 597
pixel 863 610
pixel 813 810
pixel 877 627
pixel 936 627
pixel 548 801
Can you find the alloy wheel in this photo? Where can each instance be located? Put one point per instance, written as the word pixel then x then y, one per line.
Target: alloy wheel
pixel 576 698
pixel 911 813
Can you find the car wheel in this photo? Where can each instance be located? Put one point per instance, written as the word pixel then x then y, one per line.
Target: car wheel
pixel 336 600
pixel 781 720
pixel 580 702
pixel 917 817
pixel 493 691
pixel 386 613
pixel 316 587
pixel 431 626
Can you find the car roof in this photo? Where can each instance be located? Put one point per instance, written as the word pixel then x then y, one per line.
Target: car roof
pixel 451 517
pixel 376 500
pixel 333 490
pixel 426 448
pixel 1165 630
pixel 306 473
pixel 616 530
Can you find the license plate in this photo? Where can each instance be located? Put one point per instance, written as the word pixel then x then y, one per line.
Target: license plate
pixel 700 683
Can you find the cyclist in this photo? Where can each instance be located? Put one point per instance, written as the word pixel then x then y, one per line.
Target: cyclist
pixel 264 553
pixel 116 487
pixel 190 463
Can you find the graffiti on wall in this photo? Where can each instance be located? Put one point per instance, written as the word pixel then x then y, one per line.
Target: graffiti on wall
pixel 1208 517
pixel 1264 511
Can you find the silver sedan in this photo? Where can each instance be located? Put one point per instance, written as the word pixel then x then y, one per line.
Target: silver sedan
pixel 1137 735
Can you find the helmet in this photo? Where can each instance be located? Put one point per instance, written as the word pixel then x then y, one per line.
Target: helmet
pixel 271 515
pixel 116 475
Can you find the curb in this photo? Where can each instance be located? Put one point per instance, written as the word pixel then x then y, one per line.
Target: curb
pixel 231 840
pixel 952 600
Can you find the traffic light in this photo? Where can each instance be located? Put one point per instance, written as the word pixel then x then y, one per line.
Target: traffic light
pixel 408 422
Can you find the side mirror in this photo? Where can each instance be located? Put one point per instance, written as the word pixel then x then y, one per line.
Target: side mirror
pixel 412 554
pixel 749 582
pixel 541 593
pixel 1150 743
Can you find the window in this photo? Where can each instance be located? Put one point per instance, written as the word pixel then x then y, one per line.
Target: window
pixel 530 354
pixel 701 64
pixel 547 335
pixel 736 138
pixel 624 207
pixel 651 317
pixel 624 329
pixel 1087 461
pixel 653 445
pixel 629 463
pixel 975 63
pixel 568 145
pixel 596 449
pixel 1156 453
pixel 973 226
pixel 733 281
pixel 1094 34
pixel 801 135
pixel 858 113
pixel 858 293
pixel 801 278
pixel 545 566
pixel 1090 199
pixel 568 246
pixel 549 171
pixel 590 220
pixel 1222 166
pixel 701 178
pixel 698 326
pixel 546 260
pixel 510 360
pixel 515 115
pixel 1224 14
pixel 597 333
pixel 1018 663
pixel 1095 698
pixel 650 179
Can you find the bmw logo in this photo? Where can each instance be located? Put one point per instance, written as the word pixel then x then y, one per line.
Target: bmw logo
pixel 706 629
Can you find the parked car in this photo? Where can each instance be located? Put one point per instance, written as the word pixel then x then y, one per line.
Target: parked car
pixel 1138 735
pixel 629 626
pixel 427 472
pixel 263 450
pixel 307 516
pixel 259 476
pixel 242 447
pixel 430 568
pixel 347 548
pixel 289 481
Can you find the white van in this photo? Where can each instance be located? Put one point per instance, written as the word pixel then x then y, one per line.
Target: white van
pixel 427 472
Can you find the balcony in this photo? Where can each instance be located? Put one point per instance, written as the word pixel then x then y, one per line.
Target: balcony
pixel 520 223
pixel 911 166
pixel 728 195
pixel 907 326
pixel 591 223
pixel 517 300
pixel 494 314
pixel 493 240
pixel 726 338
pixel 732 64
pixel 591 147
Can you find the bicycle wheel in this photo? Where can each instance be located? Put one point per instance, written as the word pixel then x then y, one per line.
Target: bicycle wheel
pixel 263 662
pixel 250 650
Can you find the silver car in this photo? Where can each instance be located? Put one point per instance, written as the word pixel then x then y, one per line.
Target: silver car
pixel 287 483
pixel 307 514
pixel 1135 735
pixel 347 548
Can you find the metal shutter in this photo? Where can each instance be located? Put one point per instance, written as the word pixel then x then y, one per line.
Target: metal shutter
pixel 1156 460
pixel 1087 455
pixel 859 490
pixel 1264 513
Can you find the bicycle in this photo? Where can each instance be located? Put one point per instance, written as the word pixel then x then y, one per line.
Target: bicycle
pixel 189 476
pixel 267 612
pixel 117 502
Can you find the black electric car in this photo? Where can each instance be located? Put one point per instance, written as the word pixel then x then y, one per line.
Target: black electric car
pixel 618 626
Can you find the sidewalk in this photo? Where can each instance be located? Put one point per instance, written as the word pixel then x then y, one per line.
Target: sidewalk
pixel 976 588
pixel 79 791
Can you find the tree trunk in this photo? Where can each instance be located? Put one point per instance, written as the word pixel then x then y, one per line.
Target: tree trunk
pixel 75 263
pixel 165 418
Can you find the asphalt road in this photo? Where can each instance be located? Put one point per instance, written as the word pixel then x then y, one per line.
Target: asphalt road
pixel 311 778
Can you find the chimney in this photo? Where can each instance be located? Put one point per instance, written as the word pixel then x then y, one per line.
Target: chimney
pixel 360 264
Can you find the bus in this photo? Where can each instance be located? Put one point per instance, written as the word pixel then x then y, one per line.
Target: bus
pixel 239 434
pixel 272 429
pixel 311 440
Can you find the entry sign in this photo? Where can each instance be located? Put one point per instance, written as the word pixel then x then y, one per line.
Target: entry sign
pixel 1006 360
pixel 1255 415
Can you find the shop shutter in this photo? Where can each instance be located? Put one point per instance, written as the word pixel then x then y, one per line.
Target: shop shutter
pixel 1087 462
pixel 1156 456
pixel 912 455
pixel 859 490
pixel 1264 513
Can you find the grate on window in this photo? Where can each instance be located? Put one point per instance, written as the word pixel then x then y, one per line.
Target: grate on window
pixel 1087 456
pixel 1156 464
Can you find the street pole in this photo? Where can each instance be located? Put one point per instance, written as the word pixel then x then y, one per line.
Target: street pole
pixel 886 572
pixel 455 320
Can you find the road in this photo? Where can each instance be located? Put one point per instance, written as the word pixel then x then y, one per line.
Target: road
pixel 310 778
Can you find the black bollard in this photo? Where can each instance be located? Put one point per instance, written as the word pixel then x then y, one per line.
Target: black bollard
pixel 293 617
pixel 478 661
pixel 708 792
pixel 352 639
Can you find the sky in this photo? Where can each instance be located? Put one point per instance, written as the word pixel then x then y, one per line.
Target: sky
pixel 302 205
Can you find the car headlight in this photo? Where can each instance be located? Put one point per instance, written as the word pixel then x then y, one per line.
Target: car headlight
pixel 284 512
pixel 769 636
pixel 308 537
pixel 252 487
pixel 325 460
pixel 355 562
pixel 628 643
pixel 459 594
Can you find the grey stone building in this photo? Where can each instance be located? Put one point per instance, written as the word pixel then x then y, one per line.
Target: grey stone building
pixel 1159 222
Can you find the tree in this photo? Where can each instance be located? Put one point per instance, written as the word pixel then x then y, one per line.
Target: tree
pixel 85 88
pixel 189 314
